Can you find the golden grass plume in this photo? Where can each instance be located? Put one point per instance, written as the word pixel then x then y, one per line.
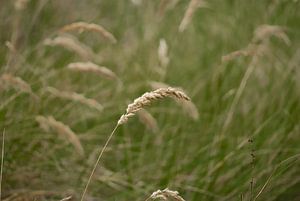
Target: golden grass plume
pixel 148 97
pixel 188 106
pixel 84 26
pixel 49 123
pixel 71 43
pixel 92 103
pixel 93 68
pixel 165 194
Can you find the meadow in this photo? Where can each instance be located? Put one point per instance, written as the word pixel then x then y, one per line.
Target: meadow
pixel 220 121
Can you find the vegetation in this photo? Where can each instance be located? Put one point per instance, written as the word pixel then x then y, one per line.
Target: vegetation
pixel 68 70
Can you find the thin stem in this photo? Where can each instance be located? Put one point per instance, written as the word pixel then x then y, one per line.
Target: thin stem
pixel 2 162
pixel 97 162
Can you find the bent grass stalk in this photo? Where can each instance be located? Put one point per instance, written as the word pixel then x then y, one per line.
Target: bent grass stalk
pixel 137 105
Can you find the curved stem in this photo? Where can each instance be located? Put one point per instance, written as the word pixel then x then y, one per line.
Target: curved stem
pixel 97 162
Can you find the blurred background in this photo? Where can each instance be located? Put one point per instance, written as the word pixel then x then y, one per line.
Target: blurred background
pixel 238 60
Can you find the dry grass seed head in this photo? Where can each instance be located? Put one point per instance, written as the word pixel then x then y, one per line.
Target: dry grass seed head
pixel 93 68
pixel 188 106
pixel 72 44
pixel 148 97
pixel 76 97
pixel 166 194
pixel 264 32
pixel 83 26
pixel 49 123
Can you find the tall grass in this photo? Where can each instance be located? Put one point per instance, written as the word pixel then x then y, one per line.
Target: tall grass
pixel 244 91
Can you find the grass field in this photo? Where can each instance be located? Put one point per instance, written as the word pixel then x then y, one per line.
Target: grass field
pixel 237 139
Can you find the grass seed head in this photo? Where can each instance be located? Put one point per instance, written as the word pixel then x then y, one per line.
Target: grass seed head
pixel 72 44
pixel 83 26
pixel 8 80
pixel 166 194
pixel 93 68
pixel 149 97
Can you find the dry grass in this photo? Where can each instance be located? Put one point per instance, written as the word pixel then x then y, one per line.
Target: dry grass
pixel 265 31
pixel 233 55
pixel 93 68
pixel 137 105
pixel 92 103
pixel 260 40
pixel 49 124
pixel 188 106
pixel 8 80
pixel 188 15
pixel 255 97
pixel 71 43
pixel 29 195
pixel 148 97
pixel 165 194
pixel 20 4
pixel 83 26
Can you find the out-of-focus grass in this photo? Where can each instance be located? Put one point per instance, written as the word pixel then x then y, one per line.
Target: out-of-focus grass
pixel 182 155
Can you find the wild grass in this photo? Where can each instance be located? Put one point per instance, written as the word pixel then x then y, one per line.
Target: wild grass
pixel 237 60
pixel 83 26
